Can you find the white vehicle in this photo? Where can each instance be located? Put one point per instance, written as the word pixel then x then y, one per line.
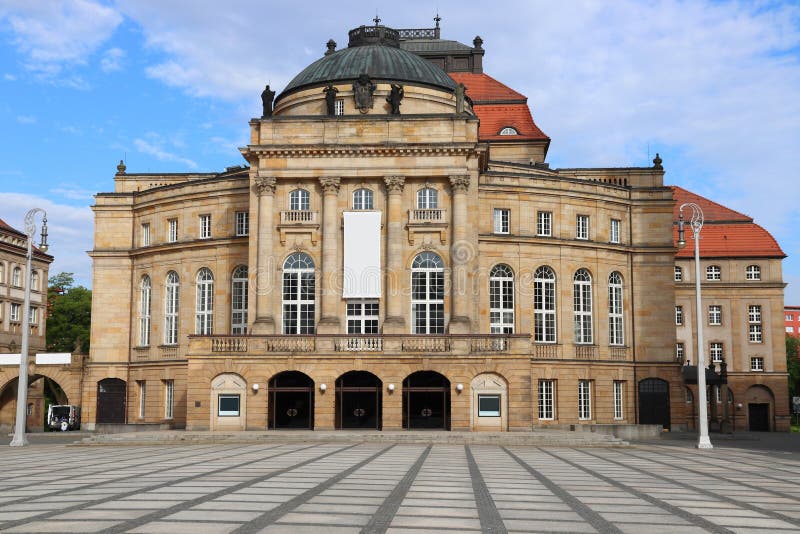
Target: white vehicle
pixel 64 417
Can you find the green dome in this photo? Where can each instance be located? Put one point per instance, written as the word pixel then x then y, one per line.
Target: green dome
pixel 383 62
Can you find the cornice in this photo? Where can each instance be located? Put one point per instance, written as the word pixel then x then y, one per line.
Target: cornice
pixel 345 151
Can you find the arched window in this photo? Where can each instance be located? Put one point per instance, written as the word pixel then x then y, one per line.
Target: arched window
pixel 145 288
pixel 16 277
pixel 615 322
pixel 204 309
pixel 501 300
pixel 508 130
pixel 582 306
pixel 427 294
pixel 171 305
pixel 35 280
pixel 713 272
pixel 239 300
pixel 299 200
pixel 544 305
pixel 427 199
pixel 753 272
pixel 362 199
pixel 298 294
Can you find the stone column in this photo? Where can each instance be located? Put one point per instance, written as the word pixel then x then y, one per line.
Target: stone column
pixel 329 320
pixel 395 322
pixel 462 253
pixel 264 188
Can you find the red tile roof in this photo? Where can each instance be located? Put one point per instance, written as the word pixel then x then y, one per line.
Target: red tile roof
pixel 7 228
pixel 726 233
pixel 498 106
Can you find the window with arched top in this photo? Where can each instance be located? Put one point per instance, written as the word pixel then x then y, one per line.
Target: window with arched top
pixel 582 306
pixel 427 199
pixel 753 272
pixel 299 200
pixel 615 318
pixel 501 300
pixel 204 308
pixel 16 277
pixel 427 294
pixel 35 280
pixel 298 294
pixel 508 130
pixel 239 300
pixel 363 199
pixel 544 305
pixel 145 292
pixel 171 306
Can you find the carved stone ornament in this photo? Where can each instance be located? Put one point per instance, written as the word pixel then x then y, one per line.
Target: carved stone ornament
pixel 264 185
pixel 394 184
pixel 459 183
pixel 363 91
pixel 330 184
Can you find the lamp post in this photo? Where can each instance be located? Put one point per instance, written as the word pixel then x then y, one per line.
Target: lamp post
pixel 696 222
pixel 20 438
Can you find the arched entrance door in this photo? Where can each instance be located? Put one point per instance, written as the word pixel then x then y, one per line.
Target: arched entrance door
pixel 358 400
pixel 111 401
pixel 43 392
pixel 426 401
pixel 654 402
pixel 759 408
pixel 291 401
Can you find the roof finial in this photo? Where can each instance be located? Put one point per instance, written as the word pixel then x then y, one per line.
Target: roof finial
pixel 377 19
pixel 437 19
pixel 657 162
pixel 331 44
pixel 121 167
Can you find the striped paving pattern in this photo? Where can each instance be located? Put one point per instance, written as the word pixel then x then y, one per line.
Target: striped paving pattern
pixel 397 488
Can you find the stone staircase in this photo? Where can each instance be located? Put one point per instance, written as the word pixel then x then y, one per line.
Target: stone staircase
pixel 535 438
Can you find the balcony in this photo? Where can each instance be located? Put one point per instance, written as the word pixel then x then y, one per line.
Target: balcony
pixel 427 221
pixel 299 222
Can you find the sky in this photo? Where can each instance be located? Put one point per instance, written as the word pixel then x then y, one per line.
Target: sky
pixel 170 86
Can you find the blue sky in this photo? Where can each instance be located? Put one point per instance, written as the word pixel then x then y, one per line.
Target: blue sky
pixel 170 86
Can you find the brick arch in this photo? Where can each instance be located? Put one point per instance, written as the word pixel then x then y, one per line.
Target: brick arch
pixel 69 382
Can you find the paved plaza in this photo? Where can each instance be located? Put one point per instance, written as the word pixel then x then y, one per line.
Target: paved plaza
pixel 383 487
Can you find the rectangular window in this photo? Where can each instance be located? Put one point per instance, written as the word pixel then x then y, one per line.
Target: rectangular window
pixel 584 400
pixel 33 315
pixel 146 234
pixel 680 353
pixel 754 320
pixel 715 315
pixel 713 272
pixel 678 315
pixel 715 349
pixel 15 312
pixel 618 400
pixel 228 405
pixel 172 231
pixel 756 363
pixel 544 223
pixel 362 316
pixel 582 227
pixel 789 329
pixel 546 396
pixel 205 226
pixel 501 220
pixel 614 234
pixel 718 394
pixel 488 405
pixel 169 398
pixel 678 274
pixel 142 397
pixel 753 272
pixel 339 107
pixel 789 317
pixel 242 223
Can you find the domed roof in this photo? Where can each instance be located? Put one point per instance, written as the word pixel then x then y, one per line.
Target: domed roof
pixel 373 50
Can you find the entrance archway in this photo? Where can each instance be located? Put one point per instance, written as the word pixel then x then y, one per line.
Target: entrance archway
pixel 760 408
pixel 358 401
pixel 43 392
pixel 426 401
pixel 654 402
pixel 291 401
pixel 111 393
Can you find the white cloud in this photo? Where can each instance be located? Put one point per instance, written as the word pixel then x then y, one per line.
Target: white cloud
pixel 70 231
pixel 26 119
pixel 112 60
pixel 9 77
pixel 155 147
pixel 73 192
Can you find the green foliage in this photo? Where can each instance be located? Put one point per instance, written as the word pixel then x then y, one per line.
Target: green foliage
pixel 793 364
pixel 69 314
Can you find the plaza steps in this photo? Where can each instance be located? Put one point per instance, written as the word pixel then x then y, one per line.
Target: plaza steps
pixel 535 438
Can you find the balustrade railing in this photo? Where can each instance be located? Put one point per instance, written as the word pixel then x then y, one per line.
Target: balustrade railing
pixel 141 353
pixel 586 352
pixel 417 216
pixel 426 344
pixel 618 353
pixel 359 344
pixel 546 351
pixel 228 344
pixel 488 344
pixel 289 344
pixel 298 217
pixel 169 352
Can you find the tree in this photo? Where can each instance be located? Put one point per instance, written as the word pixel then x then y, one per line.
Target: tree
pixel 69 314
pixel 793 364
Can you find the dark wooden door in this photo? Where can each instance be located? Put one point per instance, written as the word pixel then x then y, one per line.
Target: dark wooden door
pixel 111 401
pixel 758 416
pixel 654 402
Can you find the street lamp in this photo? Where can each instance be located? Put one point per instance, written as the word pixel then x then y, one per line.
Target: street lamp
pixel 22 385
pixel 696 223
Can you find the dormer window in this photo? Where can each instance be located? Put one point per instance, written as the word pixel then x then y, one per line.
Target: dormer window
pixel 508 130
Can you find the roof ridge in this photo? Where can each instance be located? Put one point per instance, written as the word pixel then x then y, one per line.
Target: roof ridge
pixel 708 200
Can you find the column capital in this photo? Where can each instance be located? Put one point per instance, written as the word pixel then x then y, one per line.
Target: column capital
pixel 330 184
pixel 394 184
pixel 264 185
pixel 459 183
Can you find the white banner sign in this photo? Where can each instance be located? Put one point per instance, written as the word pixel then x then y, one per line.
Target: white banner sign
pixel 54 358
pixel 9 359
pixel 362 255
